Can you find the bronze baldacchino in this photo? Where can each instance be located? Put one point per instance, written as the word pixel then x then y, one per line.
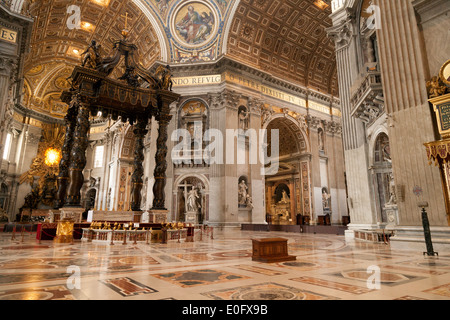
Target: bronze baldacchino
pixel 136 97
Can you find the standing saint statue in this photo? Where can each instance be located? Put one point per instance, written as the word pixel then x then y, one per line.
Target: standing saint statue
pixel 321 141
pixel 392 194
pixel 243 193
pixel 243 119
pixel 325 199
pixel 192 197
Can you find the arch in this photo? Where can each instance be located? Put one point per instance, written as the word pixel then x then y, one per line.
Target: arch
pixel 164 46
pixel 227 28
pixel 373 140
pixel 382 173
pixel 281 186
pixel 183 177
pixel 189 100
pixel 295 128
pixel 179 208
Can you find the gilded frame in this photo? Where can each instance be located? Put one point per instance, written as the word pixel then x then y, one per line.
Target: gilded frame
pixel 444 73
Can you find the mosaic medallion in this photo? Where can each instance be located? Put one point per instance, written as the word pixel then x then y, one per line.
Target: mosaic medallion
pixel 199 277
pixel 265 291
pixel 194 24
pixel 386 278
pixel 43 293
pixel 305 265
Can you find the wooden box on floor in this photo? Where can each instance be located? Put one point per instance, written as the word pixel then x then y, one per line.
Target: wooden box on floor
pixel 270 250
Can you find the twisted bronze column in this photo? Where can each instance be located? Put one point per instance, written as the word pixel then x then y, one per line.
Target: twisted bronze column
pixel 137 178
pixel 63 175
pixel 78 157
pixel 161 163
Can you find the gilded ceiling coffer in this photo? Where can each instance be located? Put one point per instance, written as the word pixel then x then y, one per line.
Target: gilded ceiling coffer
pixel 136 97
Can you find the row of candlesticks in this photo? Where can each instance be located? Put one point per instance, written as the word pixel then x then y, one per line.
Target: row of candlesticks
pixel 131 226
pixel 97 225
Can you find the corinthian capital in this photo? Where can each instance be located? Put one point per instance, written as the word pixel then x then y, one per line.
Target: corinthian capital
pixel 342 33
pixel 8 65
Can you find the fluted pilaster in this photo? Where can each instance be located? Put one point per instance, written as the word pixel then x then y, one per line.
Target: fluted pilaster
pixel 404 75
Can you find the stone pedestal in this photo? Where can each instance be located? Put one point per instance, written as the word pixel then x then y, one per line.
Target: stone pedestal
pixel 145 217
pixel 74 214
pixel 392 216
pixel 191 217
pixel 158 216
pixel 245 215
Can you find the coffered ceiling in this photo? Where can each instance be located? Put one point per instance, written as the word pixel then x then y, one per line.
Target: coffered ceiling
pixel 288 39
pixel 285 38
pixel 56 45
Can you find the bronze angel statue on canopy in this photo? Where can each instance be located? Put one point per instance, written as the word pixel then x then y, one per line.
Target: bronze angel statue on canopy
pixel 164 76
pixel 91 56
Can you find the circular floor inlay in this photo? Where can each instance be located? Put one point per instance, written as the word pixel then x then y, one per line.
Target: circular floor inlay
pixel 298 264
pixel 270 294
pixel 32 295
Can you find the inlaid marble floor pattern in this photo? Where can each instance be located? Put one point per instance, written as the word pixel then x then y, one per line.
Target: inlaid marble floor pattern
pixel 326 268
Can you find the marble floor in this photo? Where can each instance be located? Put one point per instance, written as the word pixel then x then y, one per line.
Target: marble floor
pixel 326 268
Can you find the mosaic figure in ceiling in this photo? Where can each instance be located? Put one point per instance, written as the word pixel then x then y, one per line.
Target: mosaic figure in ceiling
pixel 194 27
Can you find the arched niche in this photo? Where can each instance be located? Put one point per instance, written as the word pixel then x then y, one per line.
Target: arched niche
pixel 382 177
pixel 193 116
pixel 183 185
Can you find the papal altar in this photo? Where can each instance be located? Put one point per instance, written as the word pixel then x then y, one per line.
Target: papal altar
pixel 111 233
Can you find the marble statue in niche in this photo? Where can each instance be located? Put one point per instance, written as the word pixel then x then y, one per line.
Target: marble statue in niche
pixel 321 140
pixel 392 194
pixel 243 192
pixel 244 198
pixel 284 197
pixel 325 199
pixel 243 115
pixel 192 200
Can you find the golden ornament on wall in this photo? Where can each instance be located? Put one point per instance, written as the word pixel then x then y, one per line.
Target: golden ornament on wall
pixel 444 73
pixel 45 166
pixel 436 88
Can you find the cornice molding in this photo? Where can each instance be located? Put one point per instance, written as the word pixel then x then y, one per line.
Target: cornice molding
pixel 428 10
pixel 225 63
